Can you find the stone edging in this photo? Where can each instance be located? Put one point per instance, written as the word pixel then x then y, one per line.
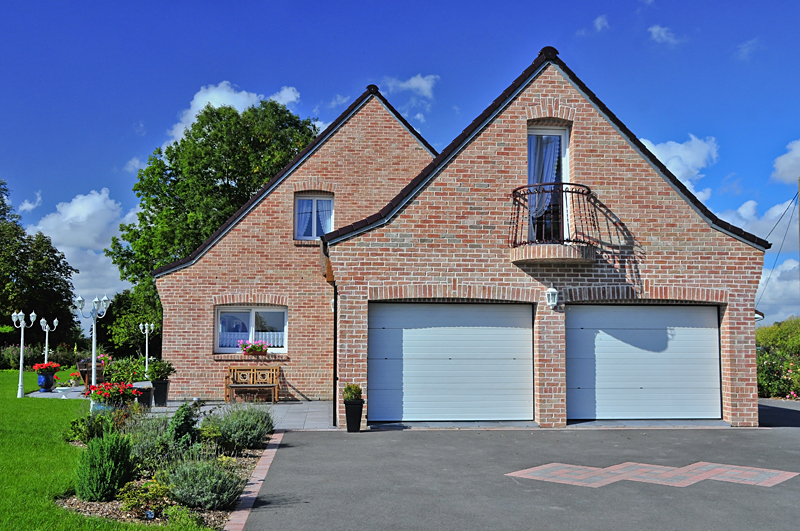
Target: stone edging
pixel 239 516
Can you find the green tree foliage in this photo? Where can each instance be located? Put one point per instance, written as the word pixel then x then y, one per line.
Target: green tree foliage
pixel 34 276
pixel 119 330
pixel 780 338
pixel 188 190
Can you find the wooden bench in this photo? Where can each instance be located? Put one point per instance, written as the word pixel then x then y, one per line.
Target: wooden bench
pixel 250 377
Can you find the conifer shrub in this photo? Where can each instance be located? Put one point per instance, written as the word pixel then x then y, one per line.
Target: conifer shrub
pixel 103 468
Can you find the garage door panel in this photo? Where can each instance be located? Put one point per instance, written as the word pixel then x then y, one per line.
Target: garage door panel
pixel 443 362
pixel 592 342
pixel 397 316
pixel 645 362
pixel 642 404
pixel 689 374
pixel 645 316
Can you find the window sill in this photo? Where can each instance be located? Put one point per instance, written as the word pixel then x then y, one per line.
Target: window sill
pixel 306 243
pixel 239 357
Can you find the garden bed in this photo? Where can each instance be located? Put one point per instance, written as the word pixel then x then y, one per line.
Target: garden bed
pixel 112 510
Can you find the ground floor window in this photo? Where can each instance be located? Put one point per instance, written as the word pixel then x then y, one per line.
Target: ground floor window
pixel 254 324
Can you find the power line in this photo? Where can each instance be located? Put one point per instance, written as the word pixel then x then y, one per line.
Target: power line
pixel 789 224
pixel 784 213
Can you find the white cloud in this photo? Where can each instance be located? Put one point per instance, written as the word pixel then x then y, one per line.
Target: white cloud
pixel 779 299
pixel 747 218
pixel 27 206
pixel 687 159
pixel 139 129
pixel 601 23
pixel 422 86
pixel 81 229
pixel 321 126
pixel 419 117
pixel 134 165
pixel 338 100
pixel 787 166
pixel 286 95
pixel 216 95
pixel 746 49
pixel 663 35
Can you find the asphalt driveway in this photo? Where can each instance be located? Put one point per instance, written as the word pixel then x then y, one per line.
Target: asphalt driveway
pixel 451 479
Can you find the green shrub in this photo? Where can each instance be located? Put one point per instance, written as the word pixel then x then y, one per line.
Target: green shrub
pixel 103 468
pixel 182 517
pixel 97 424
pixel 206 484
pixel 138 499
pixel 160 369
pixel 152 445
pixel 777 375
pixel 182 425
pixel 9 356
pixel 240 425
pixel 126 370
pixel 351 392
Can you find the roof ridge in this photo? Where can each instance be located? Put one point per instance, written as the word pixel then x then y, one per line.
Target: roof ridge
pixel 548 54
pixel 319 140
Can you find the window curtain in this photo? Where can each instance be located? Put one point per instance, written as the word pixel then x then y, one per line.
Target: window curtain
pixel 305 209
pixel 544 152
pixel 324 214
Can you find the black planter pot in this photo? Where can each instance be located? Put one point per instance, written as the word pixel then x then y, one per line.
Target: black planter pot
pixel 160 392
pixel 353 410
pixel 146 398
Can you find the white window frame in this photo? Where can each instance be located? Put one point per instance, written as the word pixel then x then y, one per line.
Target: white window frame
pixel 314 198
pixel 563 132
pixel 252 310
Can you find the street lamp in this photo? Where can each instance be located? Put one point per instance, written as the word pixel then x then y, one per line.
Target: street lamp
pixel 94 315
pixel 46 329
pixel 146 328
pixel 19 322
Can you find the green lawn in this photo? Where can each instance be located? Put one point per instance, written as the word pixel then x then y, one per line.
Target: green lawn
pixel 36 465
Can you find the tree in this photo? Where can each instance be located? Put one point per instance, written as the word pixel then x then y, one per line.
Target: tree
pixel 189 190
pixel 34 276
pixel 119 330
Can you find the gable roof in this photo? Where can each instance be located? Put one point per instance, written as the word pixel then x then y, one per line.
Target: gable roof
pixel 547 56
pixel 371 92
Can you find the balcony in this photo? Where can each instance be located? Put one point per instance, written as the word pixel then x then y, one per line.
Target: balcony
pixel 553 223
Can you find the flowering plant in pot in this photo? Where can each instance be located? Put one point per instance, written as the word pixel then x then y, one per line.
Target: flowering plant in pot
pixel 46 372
pixel 353 407
pixel 112 394
pixel 254 348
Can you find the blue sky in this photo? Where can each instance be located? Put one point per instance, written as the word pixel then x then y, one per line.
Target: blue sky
pixel 90 90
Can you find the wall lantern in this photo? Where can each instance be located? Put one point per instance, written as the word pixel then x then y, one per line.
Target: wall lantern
pixel 552 297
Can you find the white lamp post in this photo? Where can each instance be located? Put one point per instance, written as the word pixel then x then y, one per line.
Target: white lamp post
pixel 94 315
pixel 146 328
pixel 19 322
pixel 46 329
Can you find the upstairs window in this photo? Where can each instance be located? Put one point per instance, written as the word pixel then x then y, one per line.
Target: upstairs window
pixel 547 165
pixel 313 216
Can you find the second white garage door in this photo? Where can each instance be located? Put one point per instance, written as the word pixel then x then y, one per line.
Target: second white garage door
pixel 439 362
pixel 643 362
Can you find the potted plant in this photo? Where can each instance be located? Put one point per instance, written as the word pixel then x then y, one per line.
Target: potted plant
pixel 254 348
pixel 159 372
pixel 46 371
pixel 111 395
pixel 131 370
pixel 353 407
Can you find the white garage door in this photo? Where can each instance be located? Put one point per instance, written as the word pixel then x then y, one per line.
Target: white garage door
pixel 437 362
pixel 643 362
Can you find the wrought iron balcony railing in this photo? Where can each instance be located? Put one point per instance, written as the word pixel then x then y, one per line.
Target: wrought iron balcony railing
pixel 554 213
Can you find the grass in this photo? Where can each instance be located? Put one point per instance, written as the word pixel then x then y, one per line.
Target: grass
pixel 36 465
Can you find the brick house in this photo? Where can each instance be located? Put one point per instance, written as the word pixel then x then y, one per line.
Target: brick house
pixel 257 277
pixel 442 310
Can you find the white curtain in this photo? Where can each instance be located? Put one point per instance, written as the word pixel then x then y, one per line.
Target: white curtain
pixel 544 152
pixel 305 209
pixel 324 214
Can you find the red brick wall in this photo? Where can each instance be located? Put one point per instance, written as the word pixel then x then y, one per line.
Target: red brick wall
pixel 366 163
pixel 654 246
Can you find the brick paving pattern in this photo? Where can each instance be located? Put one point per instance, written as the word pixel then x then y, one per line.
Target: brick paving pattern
pixel 587 476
